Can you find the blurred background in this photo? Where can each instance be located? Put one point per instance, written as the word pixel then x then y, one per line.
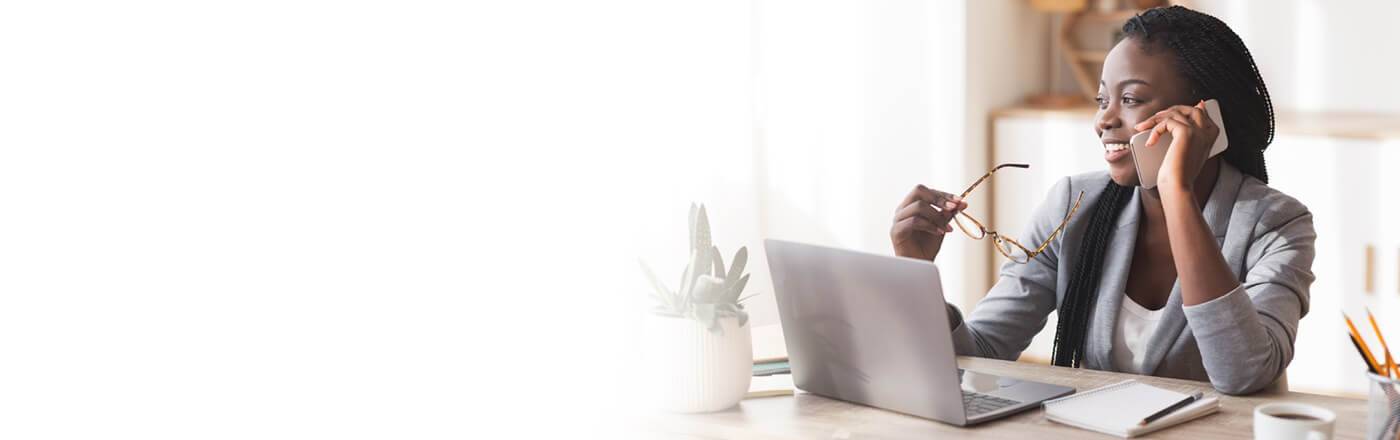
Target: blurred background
pixel 810 121
pixel 302 218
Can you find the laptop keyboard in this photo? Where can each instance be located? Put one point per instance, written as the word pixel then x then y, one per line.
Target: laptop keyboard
pixel 978 403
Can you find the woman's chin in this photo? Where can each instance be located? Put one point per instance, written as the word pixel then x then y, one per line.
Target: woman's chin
pixel 1123 177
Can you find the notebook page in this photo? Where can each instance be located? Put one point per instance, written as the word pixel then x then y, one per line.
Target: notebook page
pixel 1116 407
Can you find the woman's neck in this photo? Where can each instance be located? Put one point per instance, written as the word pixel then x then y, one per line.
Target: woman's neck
pixel 1155 220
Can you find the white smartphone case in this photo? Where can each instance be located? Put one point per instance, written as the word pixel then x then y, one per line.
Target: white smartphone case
pixel 1148 160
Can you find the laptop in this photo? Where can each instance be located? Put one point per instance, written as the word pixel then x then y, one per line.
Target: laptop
pixel 873 330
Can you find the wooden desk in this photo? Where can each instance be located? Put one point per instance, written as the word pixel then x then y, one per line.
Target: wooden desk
pixel 808 416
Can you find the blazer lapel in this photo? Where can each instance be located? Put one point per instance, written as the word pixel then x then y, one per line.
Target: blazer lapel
pixel 1172 328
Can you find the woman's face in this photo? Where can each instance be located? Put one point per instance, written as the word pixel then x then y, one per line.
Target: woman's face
pixel 1136 84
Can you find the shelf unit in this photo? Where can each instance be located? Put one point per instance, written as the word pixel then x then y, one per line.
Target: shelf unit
pixel 1086 63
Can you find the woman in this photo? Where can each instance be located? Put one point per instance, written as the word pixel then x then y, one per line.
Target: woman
pixel 1203 277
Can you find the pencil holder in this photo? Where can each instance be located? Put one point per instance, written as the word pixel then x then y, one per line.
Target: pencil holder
pixel 1383 408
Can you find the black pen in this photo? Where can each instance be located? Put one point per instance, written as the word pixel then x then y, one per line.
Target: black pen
pixel 1169 409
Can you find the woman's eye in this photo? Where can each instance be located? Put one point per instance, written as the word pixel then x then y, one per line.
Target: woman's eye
pixel 1103 102
pixel 1130 101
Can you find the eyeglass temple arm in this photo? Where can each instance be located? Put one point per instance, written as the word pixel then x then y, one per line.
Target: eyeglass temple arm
pixel 989 174
pixel 1061 228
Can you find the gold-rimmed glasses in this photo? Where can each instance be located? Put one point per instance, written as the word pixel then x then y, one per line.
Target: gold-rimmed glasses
pixel 1009 247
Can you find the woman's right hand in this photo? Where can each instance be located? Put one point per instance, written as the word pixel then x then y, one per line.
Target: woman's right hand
pixel 919 227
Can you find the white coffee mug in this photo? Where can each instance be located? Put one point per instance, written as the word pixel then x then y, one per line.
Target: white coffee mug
pixel 1290 421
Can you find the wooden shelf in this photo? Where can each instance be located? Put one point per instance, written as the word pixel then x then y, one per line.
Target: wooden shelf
pixel 1091 56
pixel 1108 17
pixel 1084 63
pixel 1085 111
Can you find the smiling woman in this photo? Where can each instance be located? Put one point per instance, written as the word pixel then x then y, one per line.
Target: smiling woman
pixel 1204 276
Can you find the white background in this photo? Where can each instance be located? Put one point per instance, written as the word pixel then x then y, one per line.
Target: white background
pixel 293 219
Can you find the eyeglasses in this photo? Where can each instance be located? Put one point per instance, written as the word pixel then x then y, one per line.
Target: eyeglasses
pixel 1008 246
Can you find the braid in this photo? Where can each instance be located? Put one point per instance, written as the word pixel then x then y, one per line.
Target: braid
pixel 1219 66
pixel 1084 282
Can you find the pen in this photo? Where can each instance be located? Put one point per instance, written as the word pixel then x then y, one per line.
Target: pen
pixel 1169 409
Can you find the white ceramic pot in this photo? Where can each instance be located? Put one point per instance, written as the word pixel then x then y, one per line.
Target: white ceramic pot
pixel 691 369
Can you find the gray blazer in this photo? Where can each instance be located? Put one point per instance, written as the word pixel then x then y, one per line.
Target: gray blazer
pixel 1240 342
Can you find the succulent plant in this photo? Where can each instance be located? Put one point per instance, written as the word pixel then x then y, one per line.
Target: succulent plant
pixel 707 292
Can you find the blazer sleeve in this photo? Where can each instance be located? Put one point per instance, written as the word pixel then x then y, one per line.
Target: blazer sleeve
pixel 1246 336
pixel 1003 323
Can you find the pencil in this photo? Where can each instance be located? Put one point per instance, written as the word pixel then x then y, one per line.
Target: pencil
pixel 1389 361
pixel 1361 344
pixel 1369 365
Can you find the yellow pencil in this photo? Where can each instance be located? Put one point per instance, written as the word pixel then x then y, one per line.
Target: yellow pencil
pixel 1365 357
pixel 1389 361
pixel 1366 351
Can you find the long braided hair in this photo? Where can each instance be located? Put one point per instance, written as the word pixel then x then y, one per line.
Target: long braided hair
pixel 1218 66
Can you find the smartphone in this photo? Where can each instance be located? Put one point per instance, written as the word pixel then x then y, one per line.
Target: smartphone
pixel 1148 160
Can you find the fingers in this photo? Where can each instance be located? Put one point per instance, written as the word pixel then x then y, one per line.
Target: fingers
pixel 1155 119
pixel 936 217
pixel 1178 126
pixel 926 210
pixel 919 224
pixel 1197 115
pixel 927 195
pixel 1177 122
pixel 1202 120
pixel 1157 131
pixel 917 208
pixel 1182 110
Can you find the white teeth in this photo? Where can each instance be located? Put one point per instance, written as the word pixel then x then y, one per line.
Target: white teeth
pixel 1115 147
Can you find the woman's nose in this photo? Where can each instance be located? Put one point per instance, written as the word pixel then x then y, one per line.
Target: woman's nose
pixel 1108 120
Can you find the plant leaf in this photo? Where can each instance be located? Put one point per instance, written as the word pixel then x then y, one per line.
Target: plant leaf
pixel 718 266
pixel 693 211
pixel 702 229
pixel 703 261
pixel 661 293
pixel 741 300
pixel 699 266
pixel 687 278
pixel 738 288
pixel 666 312
pixel 710 289
pixel 741 257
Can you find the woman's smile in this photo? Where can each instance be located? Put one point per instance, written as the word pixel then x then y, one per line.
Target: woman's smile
pixel 1114 151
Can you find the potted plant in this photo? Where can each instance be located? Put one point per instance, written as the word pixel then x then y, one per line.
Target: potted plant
pixel 697 349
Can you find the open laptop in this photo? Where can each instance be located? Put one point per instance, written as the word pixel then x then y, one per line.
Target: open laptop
pixel 873 330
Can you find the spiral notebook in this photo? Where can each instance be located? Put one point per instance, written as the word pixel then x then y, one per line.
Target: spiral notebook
pixel 1117 409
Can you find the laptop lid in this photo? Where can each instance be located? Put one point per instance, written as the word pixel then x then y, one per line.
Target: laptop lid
pixel 867 328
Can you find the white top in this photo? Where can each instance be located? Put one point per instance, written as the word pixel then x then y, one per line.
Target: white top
pixel 1131 333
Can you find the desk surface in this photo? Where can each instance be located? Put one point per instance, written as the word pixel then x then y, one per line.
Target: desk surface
pixel 808 416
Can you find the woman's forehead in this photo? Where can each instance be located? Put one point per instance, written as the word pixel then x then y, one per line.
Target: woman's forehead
pixel 1131 62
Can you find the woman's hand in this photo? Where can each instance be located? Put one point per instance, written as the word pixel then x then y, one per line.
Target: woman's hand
pixel 921 220
pixel 1193 133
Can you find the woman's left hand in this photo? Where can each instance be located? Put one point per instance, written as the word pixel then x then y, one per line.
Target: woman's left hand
pixel 1192 132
